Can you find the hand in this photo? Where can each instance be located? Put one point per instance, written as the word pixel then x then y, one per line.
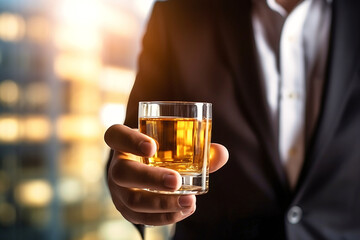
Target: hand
pixel 127 175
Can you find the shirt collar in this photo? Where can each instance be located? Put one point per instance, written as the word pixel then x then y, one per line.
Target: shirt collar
pixel 277 7
pixel 273 5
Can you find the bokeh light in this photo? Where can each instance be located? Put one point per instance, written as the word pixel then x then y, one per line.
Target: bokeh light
pixel 117 230
pixel 71 37
pixel 12 27
pixel 9 92
pixel 34 193
pixel 66 70
pixel 112 113
pixel 9 129
pixel 118 80
pixel 78 127
pixel 71 190
pixel 37 95
pixel 77 67
pixel 83 13
pixel 38 29
pixel 36 128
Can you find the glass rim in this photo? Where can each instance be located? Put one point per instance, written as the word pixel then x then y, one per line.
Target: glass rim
pixel 175 102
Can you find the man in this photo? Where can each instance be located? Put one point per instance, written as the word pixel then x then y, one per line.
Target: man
pixel 284 80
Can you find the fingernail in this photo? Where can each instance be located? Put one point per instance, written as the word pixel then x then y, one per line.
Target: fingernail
pixel 185 201
pixel 170 181
pixel 188 211
pixel 145 147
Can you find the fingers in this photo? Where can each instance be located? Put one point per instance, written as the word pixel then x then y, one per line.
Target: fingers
pixel 132 174
pixel 156 219
pixel 148 202
pixel 141 207
pixel 218 156
pixel 124 139
pixel 126 177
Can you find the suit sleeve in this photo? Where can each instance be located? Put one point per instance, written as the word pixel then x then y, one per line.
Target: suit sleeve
pixel 152 81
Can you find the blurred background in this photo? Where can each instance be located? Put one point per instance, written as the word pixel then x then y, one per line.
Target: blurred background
pixel 66 69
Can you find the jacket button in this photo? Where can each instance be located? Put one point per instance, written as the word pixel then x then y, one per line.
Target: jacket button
pixel 294 215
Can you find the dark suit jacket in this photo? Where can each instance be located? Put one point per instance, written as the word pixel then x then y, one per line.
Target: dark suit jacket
pixel 203 50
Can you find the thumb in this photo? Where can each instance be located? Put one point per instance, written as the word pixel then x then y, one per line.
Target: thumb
pixel 219 155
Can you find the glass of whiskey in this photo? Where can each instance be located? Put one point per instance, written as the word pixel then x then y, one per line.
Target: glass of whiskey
pixel 182 131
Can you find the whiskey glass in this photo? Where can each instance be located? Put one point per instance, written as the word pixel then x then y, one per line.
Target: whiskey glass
pixel 182 132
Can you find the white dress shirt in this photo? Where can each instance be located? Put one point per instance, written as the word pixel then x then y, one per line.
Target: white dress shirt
pixel 292 52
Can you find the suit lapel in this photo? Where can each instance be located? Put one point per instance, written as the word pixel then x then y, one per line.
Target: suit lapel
pixel 340 73
pixel 236 39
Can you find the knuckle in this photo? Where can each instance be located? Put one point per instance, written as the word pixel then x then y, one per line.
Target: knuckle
pixel 158 219
pixel 115 172
pixel 143 177
pixel 148 177
pixel 132 200
pixel 147 219
pixel 133 139
pixel 169 218
pixel 164 204
pixel 118 168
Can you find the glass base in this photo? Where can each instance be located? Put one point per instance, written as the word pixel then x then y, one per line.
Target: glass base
pixel 191 184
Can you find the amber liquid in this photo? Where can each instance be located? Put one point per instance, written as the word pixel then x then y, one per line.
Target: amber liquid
pixel 183 143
